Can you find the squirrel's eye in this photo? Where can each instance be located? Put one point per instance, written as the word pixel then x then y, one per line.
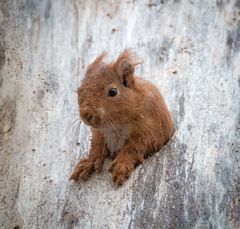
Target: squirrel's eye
pixel 112 92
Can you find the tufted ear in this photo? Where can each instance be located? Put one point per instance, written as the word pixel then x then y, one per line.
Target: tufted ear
pixel 96 62
pixel 99 59
pixel 125 66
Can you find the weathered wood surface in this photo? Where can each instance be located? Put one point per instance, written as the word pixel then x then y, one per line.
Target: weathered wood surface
pixel 191 52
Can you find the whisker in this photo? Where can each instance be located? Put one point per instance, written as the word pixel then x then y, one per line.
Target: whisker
pixel 114 126
pixel 108 123
pixel 70 115
pixel 111 124
pixel 67 129
pixel 109 116
pixel 78 119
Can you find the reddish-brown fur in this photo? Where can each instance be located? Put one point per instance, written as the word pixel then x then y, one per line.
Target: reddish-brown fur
pixel 128 127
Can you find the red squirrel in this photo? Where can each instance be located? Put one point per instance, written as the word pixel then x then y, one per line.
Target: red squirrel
pixel 128 117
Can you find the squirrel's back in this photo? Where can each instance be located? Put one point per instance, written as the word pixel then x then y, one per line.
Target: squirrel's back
pixel 154 110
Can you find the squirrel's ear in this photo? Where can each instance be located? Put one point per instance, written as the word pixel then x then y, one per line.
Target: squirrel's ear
pixel 97 61
pixel 125 66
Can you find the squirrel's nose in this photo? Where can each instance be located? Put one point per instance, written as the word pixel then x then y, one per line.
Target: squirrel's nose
pixel 87 116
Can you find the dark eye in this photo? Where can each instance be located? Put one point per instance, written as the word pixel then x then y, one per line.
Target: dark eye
pixel 112 92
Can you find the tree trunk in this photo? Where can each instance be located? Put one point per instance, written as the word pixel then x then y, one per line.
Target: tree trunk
pixel 190 51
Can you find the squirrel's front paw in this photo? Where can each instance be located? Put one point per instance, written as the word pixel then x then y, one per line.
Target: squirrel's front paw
pixel 85 168
pixel 121 170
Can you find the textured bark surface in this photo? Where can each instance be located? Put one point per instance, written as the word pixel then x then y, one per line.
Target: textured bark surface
pixel 191 52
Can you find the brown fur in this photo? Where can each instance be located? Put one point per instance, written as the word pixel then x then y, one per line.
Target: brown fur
pixel 126 128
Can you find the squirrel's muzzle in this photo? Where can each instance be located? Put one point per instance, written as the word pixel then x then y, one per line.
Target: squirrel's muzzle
pixel 86 115
pixel 90 119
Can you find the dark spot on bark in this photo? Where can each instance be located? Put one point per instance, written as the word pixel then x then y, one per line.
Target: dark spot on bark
pixel 40 96
pixel 230 40
pixel 161 54
pixel 30 8
pixel 49 83
pixel 7 116
pixel 151 4
pixel 67 217
pixel 16 227
pixel 47 9
pixel 109 15
pixel 89 40
pixel 1 81
pixel 2 56
pixel 189 127
pixel 219 3
pixel 233 42
pixel 156 3
pixel 31 4
pixel 239 81
pixel 237 3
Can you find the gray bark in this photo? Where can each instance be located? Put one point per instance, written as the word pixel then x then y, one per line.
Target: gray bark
pixel 190 51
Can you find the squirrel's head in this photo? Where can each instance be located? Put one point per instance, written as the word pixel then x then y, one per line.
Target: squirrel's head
pixel 108 95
